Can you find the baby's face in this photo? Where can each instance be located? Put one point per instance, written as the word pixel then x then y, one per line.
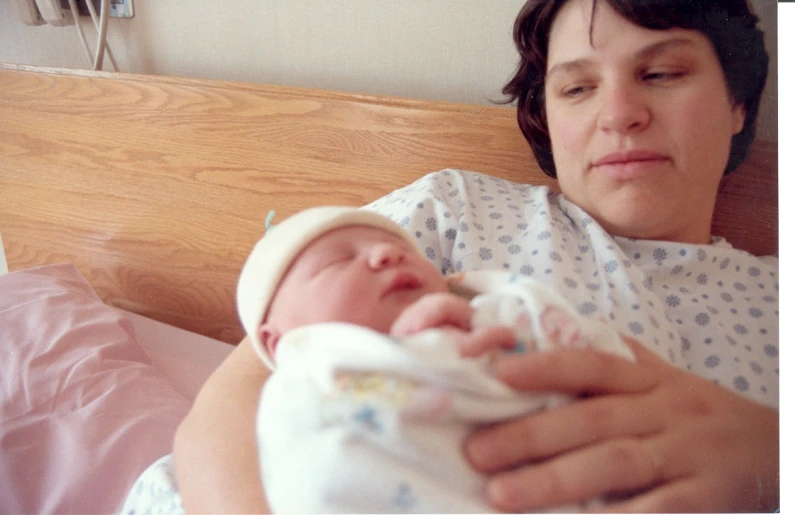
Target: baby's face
pixel 355 274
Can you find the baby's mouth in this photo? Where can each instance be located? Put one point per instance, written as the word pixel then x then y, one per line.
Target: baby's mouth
pixel 402 281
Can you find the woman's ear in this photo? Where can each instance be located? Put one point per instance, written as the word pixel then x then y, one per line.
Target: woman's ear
pixel 269 336
pixel 738 117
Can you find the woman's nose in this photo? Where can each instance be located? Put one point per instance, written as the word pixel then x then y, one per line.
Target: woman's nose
pixel 623 109
pixel 384 255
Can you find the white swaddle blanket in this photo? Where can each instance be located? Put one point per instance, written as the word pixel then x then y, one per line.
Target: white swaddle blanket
pixel 353 420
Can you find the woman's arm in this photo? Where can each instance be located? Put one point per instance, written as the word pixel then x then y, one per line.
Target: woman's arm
pixel 670 440
pixel 215 447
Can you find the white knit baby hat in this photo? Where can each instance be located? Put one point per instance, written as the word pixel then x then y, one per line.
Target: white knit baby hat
pixel 275 252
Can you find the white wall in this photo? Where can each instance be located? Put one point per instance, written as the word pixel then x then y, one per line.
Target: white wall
pixel 767 127
pixel 455 50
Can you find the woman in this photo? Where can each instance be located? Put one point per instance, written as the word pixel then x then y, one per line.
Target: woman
pixel 639 108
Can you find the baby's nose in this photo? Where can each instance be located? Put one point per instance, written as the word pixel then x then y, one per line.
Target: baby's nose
pixel 385 255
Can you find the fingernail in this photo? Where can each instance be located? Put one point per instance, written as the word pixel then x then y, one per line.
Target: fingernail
pixel 510 364
pixel 498 492
pixel 475 449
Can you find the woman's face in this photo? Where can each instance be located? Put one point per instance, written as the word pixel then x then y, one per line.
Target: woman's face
pixel 640 121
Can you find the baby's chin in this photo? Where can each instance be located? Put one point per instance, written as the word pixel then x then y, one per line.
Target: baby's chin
pixel 405 297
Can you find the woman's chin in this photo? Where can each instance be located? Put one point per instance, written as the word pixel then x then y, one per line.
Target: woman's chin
pixel 645 210
pixel 641 220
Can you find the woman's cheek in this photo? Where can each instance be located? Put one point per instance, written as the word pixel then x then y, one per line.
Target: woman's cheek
pixel 568 141
pixel 708 122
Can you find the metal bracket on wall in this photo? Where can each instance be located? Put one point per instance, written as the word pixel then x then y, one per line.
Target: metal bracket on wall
pixel 118 8
pixel 121 8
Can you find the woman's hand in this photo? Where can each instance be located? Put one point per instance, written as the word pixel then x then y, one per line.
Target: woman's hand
pixel 662 438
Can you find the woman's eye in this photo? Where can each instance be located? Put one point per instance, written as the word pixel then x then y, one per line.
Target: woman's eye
pixel 661 76
pixel 574 91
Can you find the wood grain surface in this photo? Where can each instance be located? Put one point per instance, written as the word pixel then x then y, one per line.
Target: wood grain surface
pixel 157 187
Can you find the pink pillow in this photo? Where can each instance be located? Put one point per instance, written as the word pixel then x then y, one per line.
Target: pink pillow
pixel 84 411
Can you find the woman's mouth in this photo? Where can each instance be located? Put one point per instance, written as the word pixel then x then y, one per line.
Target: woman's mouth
pixel 630 164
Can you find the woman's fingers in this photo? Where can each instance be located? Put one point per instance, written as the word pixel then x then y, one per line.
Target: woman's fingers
pixel 682 496
pixel 644 356
pixel 544 435
pixel 575 372
pixel 614 466
pixel 623 464
pixel 484 339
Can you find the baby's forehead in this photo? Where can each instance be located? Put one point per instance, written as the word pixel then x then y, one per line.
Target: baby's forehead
pixel 348 238
pixel 355 234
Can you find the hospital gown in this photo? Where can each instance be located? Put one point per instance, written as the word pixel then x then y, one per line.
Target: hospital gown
pixel 710 309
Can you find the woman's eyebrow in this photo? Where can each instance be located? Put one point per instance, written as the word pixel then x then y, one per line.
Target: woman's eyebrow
pixel 664 46
pixel 644 53
pixel 569 66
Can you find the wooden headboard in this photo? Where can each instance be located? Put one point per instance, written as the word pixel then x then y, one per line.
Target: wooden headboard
pixel 157 187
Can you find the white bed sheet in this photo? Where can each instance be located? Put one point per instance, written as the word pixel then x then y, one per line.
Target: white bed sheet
pixel 3 263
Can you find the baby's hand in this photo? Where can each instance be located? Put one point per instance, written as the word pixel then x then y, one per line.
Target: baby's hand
pixel 433 311
pixel 453 312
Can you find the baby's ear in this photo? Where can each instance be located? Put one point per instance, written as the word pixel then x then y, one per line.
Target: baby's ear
pixel 269 336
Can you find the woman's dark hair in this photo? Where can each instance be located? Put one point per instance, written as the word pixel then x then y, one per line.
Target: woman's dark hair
pixel 729 24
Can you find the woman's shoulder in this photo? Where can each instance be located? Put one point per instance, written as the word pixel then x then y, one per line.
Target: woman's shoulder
pixel 718 252
pixel 453 192
pixel 461 217
pixel 719 244
pixel 456 183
